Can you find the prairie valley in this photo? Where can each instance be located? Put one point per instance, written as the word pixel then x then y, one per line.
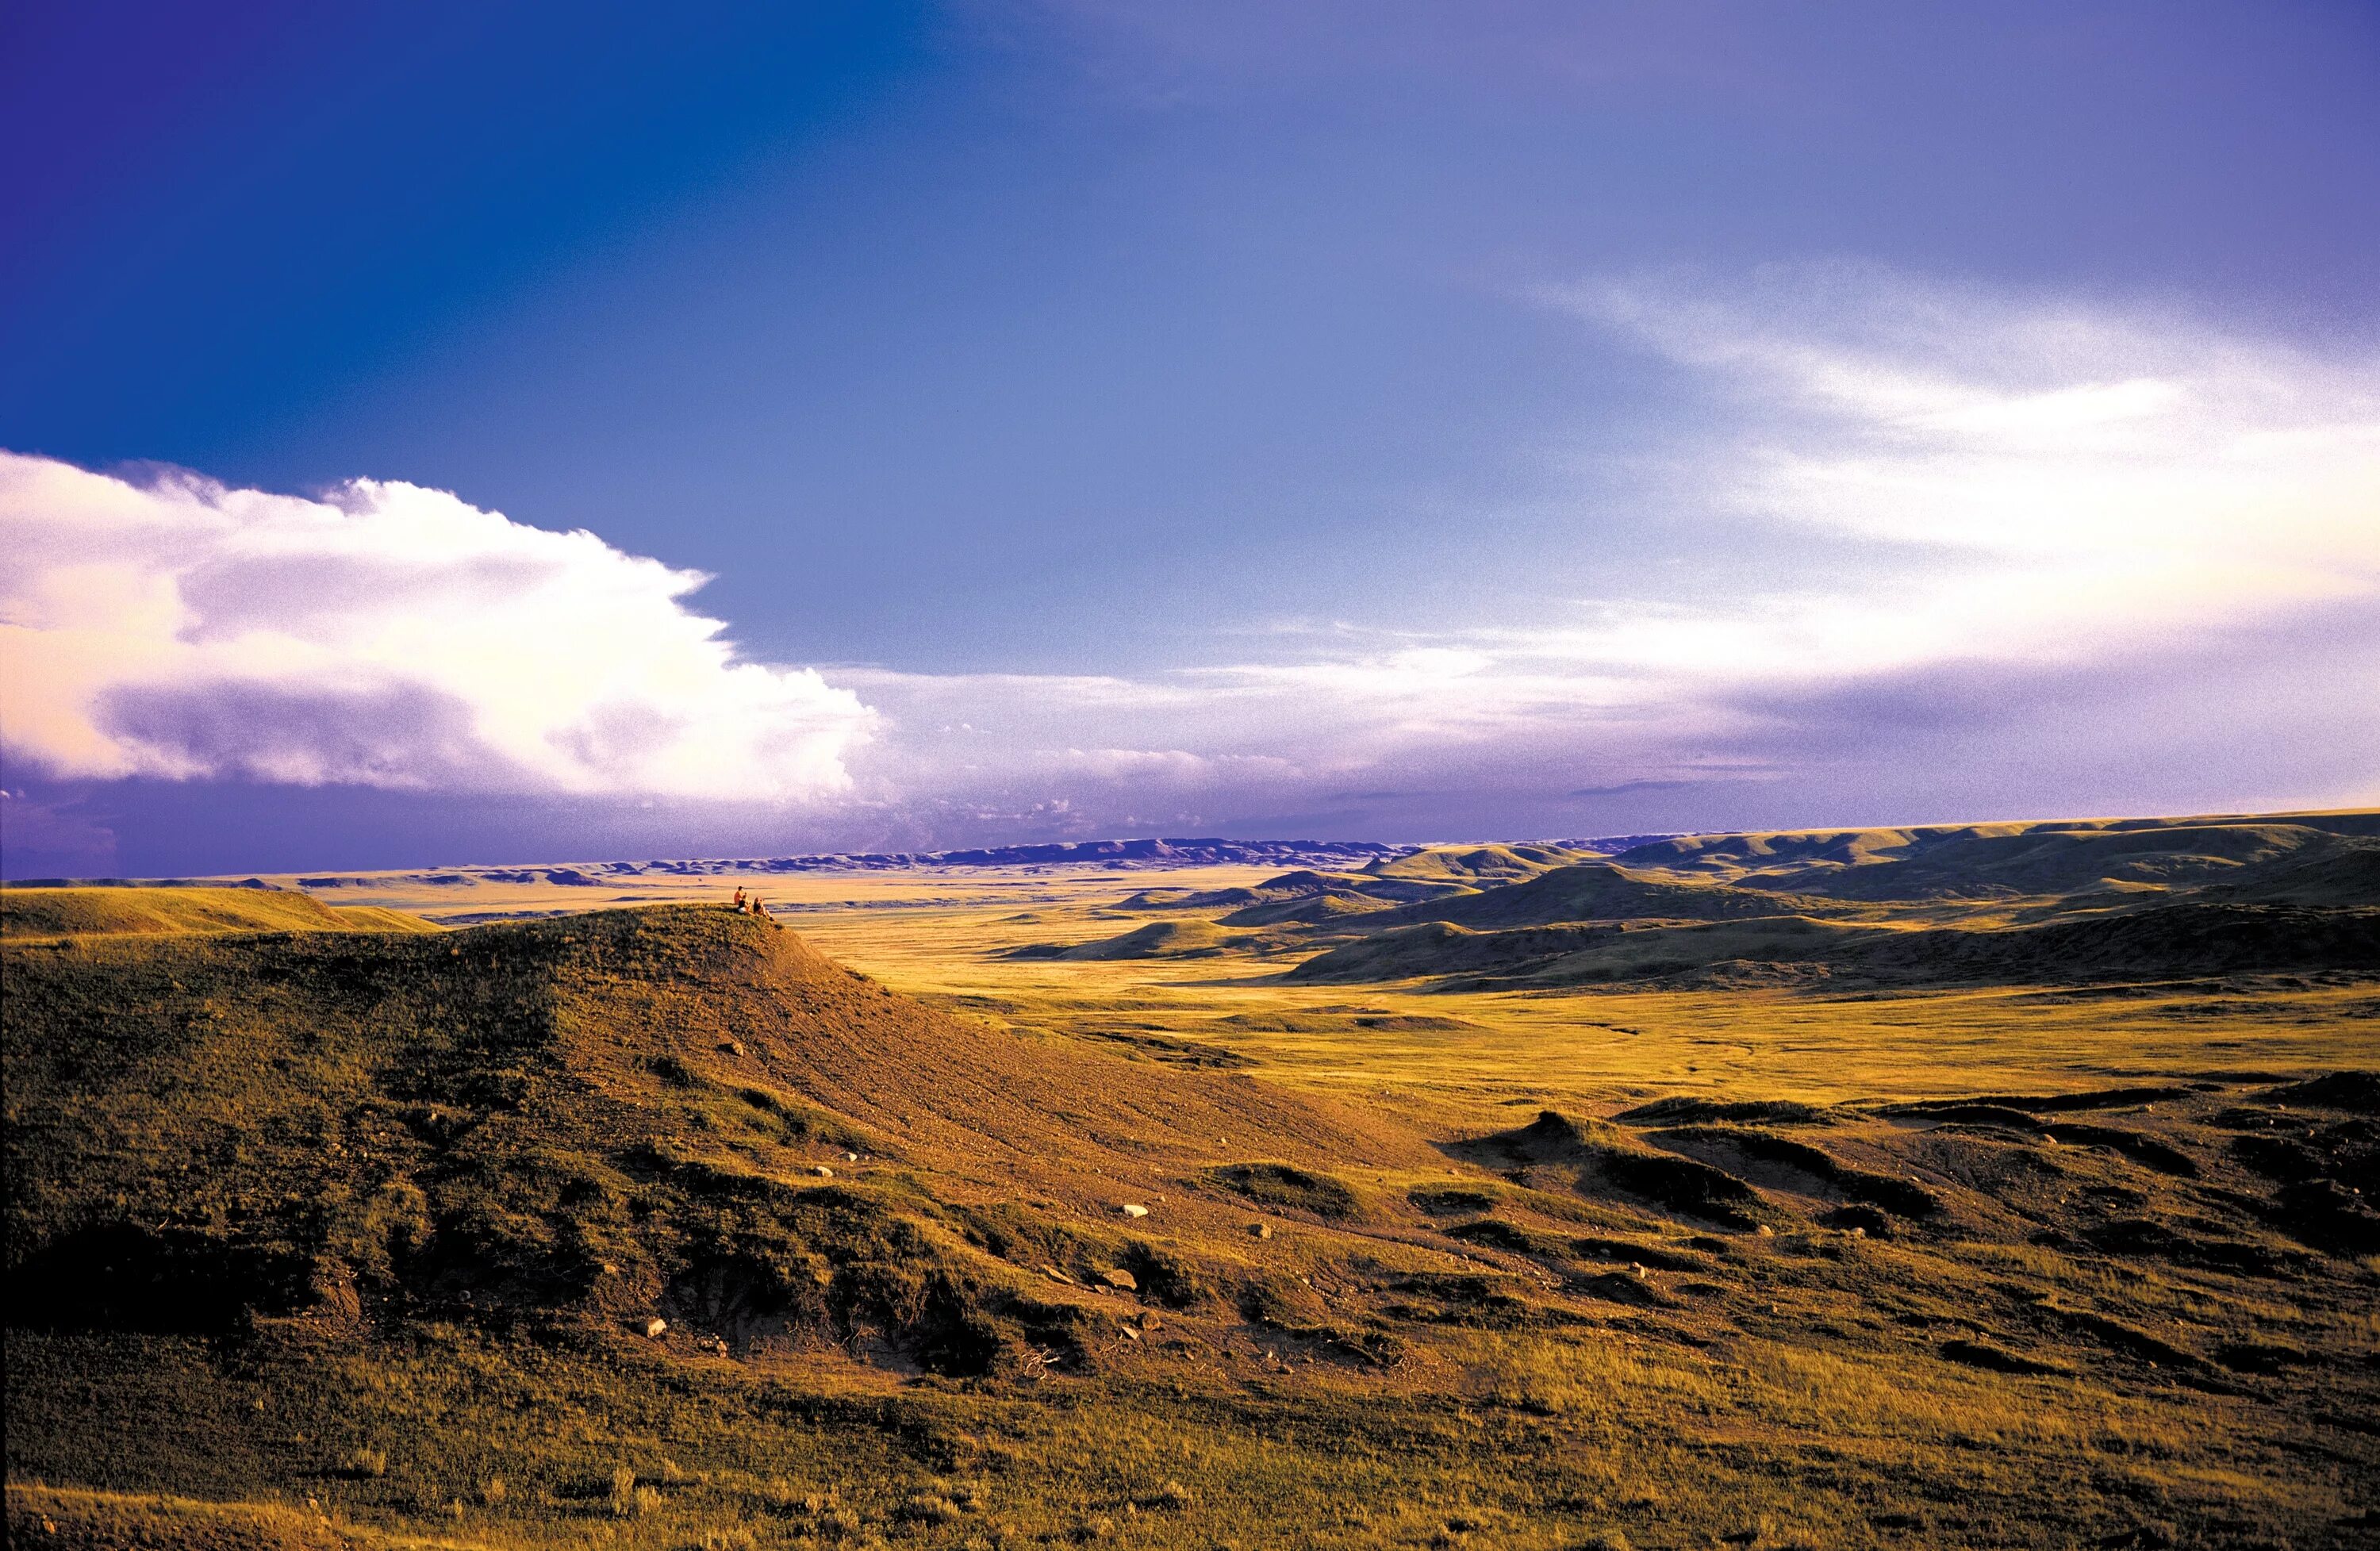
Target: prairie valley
pixel 1418 1201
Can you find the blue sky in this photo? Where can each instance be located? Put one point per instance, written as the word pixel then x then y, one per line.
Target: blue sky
pixel 1386 420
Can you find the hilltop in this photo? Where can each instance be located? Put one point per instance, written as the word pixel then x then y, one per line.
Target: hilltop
pixel 1600 891
pixel 1477 864
pixel 462 1123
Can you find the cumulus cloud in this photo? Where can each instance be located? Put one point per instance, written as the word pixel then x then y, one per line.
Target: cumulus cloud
pixel 384 635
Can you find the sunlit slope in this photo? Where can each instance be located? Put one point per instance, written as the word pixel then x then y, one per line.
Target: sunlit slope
pixel 1474 863
pixel 1598 890
pixel 328 1121
pixel 36 912
pixel 1317 909
pixel 2040 904
pixel 1302 895
pixel 1989 861
pixel 1433 884
pixel 1775 948
pixel 2181 942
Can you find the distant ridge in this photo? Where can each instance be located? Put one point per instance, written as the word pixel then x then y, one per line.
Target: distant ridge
pixel 138 883
pixel 1114 852
pixel 27 912
pixel 1151 853
pixel 1612 845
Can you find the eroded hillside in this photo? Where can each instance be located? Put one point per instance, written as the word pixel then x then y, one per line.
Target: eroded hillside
pixel 2094 902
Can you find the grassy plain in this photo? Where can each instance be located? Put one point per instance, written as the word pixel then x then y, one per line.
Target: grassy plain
pixel 1473 1052
pixel 1782 1266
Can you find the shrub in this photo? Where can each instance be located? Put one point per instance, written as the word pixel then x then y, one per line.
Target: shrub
pixel 1167 1277
pixel 1281 1184
pixel 1501 1235
pixel 1447 1201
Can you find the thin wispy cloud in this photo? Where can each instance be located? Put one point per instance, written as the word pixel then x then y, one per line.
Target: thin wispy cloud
pixel 2018 491
pixel 1886 408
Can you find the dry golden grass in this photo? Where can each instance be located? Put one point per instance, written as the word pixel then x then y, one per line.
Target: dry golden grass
pixel 1442 1339
pixel 1570 1048
pixel 52 913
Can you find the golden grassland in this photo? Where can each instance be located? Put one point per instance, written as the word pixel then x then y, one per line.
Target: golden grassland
pixel 473 1163
pixel 470 897
pixel 1477 1051
pixel 946 934
pixel 51 914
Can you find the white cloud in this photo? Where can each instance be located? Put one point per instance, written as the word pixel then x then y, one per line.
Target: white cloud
pixel 384 634
pixel 2040 431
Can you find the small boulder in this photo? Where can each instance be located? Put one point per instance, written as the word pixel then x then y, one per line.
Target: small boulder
pixel 731 1046
pixel 1260 1230
pixel 654 1326
pixel 1133 1209
pixel 822 1170
pixel 1121 1281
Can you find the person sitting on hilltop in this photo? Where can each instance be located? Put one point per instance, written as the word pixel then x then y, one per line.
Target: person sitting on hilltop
pixel 739 897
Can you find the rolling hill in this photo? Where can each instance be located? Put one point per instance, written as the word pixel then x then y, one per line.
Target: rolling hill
pixel 569 1121
pixel 2049 904
pixel 2182 941
pixel 2001 861
pixel 657 1228
pixel 1477 864
pixel 53 913
pixel 1290 889
pixel 1600 890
